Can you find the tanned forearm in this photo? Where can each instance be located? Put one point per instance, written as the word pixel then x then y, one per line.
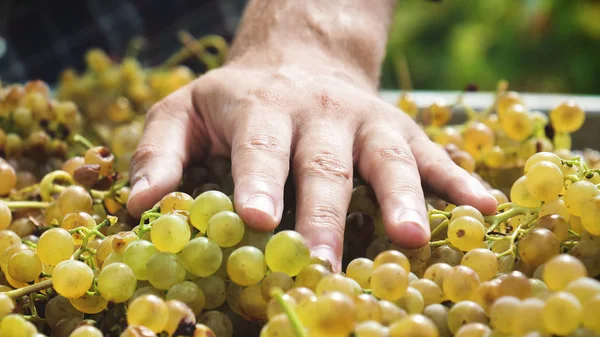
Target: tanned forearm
pixel 351 33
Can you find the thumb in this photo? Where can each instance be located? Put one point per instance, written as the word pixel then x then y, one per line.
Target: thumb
pixel 164 150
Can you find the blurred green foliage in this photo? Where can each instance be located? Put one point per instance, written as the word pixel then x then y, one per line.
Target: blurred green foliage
pixel 537 45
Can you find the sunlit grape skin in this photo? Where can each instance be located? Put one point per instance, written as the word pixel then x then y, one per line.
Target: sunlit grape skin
pixel 117 282
pixel 246 266
pixel 72 278
pixel 567 117
pixel 170 233
pixel 206 205
pixel 149 311
pixel 287 252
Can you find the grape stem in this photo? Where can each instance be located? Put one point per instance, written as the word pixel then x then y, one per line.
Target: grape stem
pixel 299 330
pixel 82 140
pixel 14 205
pixel 443 225
pixel 14 294
pixel 522 229
pixel 435 244
pixel 47 186
pixel 434 212
pixel 29 244
pixel 496 220
pixel 574 233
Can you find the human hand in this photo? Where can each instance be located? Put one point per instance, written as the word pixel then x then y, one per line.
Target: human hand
pixel 301 110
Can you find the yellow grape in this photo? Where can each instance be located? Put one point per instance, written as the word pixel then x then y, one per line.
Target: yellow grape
pixel 216 322
pixel 117 282
pixel 72 278
pixel 178 313
pixel 567 117
pixel 407 103
pixel 16 325
pixel 483 261
pixel 527 319
pixel 274 308
pixel 367 308
pixel 89 304
pixel 311 275
pixel 438 113
pixel 538 246
pixel 578 195
pixel 170 233
pixel 76 220
pixel 165 270
pixel 8 178
pixel 540 157
pixel 460 283
pixel 9 252
pixel 465 312
pixel 190 294
pixel 590 314
pixel 287 252
pixel 333 315
pixel 206 205
pixel 466 233
pixel 6 305
pixel 506 101
pixel 503 314
pixel 279 280
pixel 449 135
pixel 8 238
pixel 414 326
pixel 246 266
pixel 555 207
pixel 544 181
pixel 136 256
pixel 560 270
pixel 514 284
pixel 517 123
pixel 24 266
pixel 590 216
pixel 370 329
pixel 412 302
pixel 86 331
pixel 149 311
pixel 392 256
pixel 438 314
pixel 252 303
pixel 389 282
pixel 473 330
pixel 562 313
pixel 202 257
pixel 359 270
pixel 226 229
pixel 519 194
pixel 478 138
pixel 338 283
pixel 431 292
pixel 74 199
pixel 494 157
pixel 54 246
pixel 499 195
pixel 437 272
pixel 562 141
pixel 5 216
pixel 584 289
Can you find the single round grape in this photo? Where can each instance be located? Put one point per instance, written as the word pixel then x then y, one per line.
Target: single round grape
pixel 590 216
pixel 218 322
pixel 578 195
pixel 59 308
pixel 104 249
pixel 417 257
pixel 24 266
pixel 76 220
pixel 554 223
pixel 287 252
pixel 246 266
pixel 437 272
pixel 478 138
pixel 6 305
pixel 359 270
pixel 311 275
pixel 438 314
pixel 202 257
pixel 538 246
pixel 370 329
pixel 16 325
pixel 392 256
pixel 72 278
pixel 102 157
pixel 165 270
pixel 170 233
pixel 117 282
pixel 5 216
pixel 122 239
pixel 74 199
pixel 390 312
pixel 466 233
pixel 9 252
pixel 437 114
pixel 179 313
pixel 214 290
pixel 367 308
pixel 541 157
pixel 473 330
pixel 584 289
pixel 414 326
pixel 430 291
pixel 503 314
pixel 253 304
pixel 591 308
pixel 136 256
pixel 483 261
pixel 567 117
pixel 188 293
pixel 460 283
pixel 334 315
pixel 516 123
pixel 560 270
pixel 7 239
pixel 178 201
pixel 519 194
pixel 89 304
pixel 206 205
pixel 466 210
pixel 86 331
pixel 149 311
pixel 8 178
pixel 494 157
pixel 465 312
pixel 301 294
pixel 562 313
pixel 539 289
pixel 412 302
pixel 278 280
pixel 114 257
pixel 528 316
pixel 389 281
pixel 446 254
pixel 338 283
pixel 515 284
pixel 55 245
pixel 225 228
pixel 506 100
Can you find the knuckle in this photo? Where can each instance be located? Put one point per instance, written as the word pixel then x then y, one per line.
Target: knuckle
pixel 144 152
pixel 406 191
pixel 327 217
pixel 396 154
pixel 263 143
pixel 326 164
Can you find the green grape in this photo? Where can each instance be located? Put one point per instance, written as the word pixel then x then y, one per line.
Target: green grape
pixel 278 280
pixel 367 308
pixel 178 313
pixel 6 305
pixel 214 290
pixel 54 246
pixel 89 304
pixel 560 270
pixel 9 238
pixel 392 256
pixel 538 246
pixel 519 194
pixel 590 216
pixel 170 233
pixel 567 117
pixel 222 270
pixel 460 283
pixel 24 266
pixel 202 257
pixel 8 178
pixel 175 201
pixel 591 308
pixel 414 326
pixel 113 257
pixel 370 329
pixel 431 292
pixel 206 205
pixel 225 228
pixel 74 199
pixel 274 308
pixel 287 252
pixel 122 240
pixel 584 289
pixel 136 256
pixel 483 261
pixel 255 238
pixel 253 304
pixel 438 314
pixel 503 314
pixel 516 123
pixel 412 302
pixel 466 210
pixel 514 284
pixel 528 316
pixel 465 312
pixel 5 216
pixel 218 322
pixel 16 325
pixel 578 195
pixel 562 313
pixel 466 233
pixel 539 289
pixel 359 270
pixel 165 270
pixel 117 282
pixel 437 272
pixel 473 330
pixel 59 308
pixel 150 311
pixel 104 250
pixel 188 293
pixel 246 266
pixel 148 290
pixel 8 253
pixel 76 220
pixel 311 275
pixel 72 278
pixel 389 282
pixel 554 223
pixel 541 157
pixel 544 181
pixel 446 254
pixel 333 315
pixel 390 312
pixel 86 331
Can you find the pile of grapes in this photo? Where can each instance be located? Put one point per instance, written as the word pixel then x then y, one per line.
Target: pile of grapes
pixel 74 263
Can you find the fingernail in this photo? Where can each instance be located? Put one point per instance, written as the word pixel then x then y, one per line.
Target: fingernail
pixel 413 225
pixel 262 203
pixel 139 186
pixel 327 253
